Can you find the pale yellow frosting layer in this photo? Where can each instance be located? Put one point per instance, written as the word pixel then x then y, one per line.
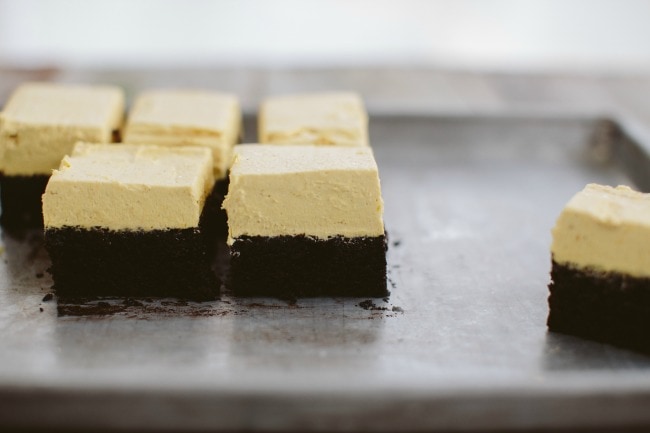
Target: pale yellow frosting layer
pixel 606 229
pixel 187 118
pixel 41 122
pixel 303 190
pixel 335 118
pixel 129 187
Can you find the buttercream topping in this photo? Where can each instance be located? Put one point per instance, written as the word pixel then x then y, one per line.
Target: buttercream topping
pixel 41 122
pixel 187 117
pixel 606 229
pixel 129 187
pixel 335 118
pixel 309 190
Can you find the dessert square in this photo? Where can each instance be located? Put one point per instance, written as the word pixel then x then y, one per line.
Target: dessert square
pixel 334 118
pixel 305 221
pixel 194 118
pixel 39 124
pixel 600 274
pixel 129 220
pixel 187 118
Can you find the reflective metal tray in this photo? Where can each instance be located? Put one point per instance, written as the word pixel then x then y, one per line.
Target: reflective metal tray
pixel 460 344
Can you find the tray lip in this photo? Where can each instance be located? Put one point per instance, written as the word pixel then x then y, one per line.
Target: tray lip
pixel 295 411
pixel 629 129
pixel 625 122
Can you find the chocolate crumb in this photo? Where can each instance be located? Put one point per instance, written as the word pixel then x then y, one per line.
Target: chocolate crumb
pixel 369 305
pixel 397 309
pixel 261 305
pixel 41 310
pixel 48 297
pixel 116 135
pixel 132 303
pixel 99 309
pixel 397 243
pixel 366 305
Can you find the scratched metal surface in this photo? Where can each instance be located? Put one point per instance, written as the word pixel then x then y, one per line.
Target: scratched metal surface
pixel 469 207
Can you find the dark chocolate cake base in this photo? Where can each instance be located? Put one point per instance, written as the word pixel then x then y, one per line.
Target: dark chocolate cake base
pixel 90 263
pixel 20 198
pixel 301 266
pixel 608 307
pixel 219 224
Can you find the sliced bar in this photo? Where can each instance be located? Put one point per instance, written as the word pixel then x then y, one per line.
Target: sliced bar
pixel 39 125
pixel 600 286
pixel 195 118
pixel 128 220
pixel 187 118
pixel 305 221
pixel 334 118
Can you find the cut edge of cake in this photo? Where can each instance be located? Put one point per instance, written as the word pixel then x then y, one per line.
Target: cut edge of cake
pixel 94 254
pixel 600 282
pixel 289 209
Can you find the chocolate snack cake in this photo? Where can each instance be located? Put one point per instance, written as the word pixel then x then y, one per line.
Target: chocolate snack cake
pixel 129 220
pixel 305 221
pixel 39 124
pixel 331 118
pixel 600 274
pixel 190 118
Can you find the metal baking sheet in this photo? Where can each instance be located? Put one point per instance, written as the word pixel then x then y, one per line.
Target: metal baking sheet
pixel 460 344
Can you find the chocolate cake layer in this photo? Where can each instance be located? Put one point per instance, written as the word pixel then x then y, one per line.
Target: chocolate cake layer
pixel 116 136
pixel 219 224
pixel 97 262
pixel 300 266
pixel 608 307
pixel 20 197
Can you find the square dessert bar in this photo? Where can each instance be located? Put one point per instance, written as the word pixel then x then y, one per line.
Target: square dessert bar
pixel 305 221
pixel 187 118
pixel 39 124
pixel 600 286
pixel 128 220
pixel 336 118
pixel 195 118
